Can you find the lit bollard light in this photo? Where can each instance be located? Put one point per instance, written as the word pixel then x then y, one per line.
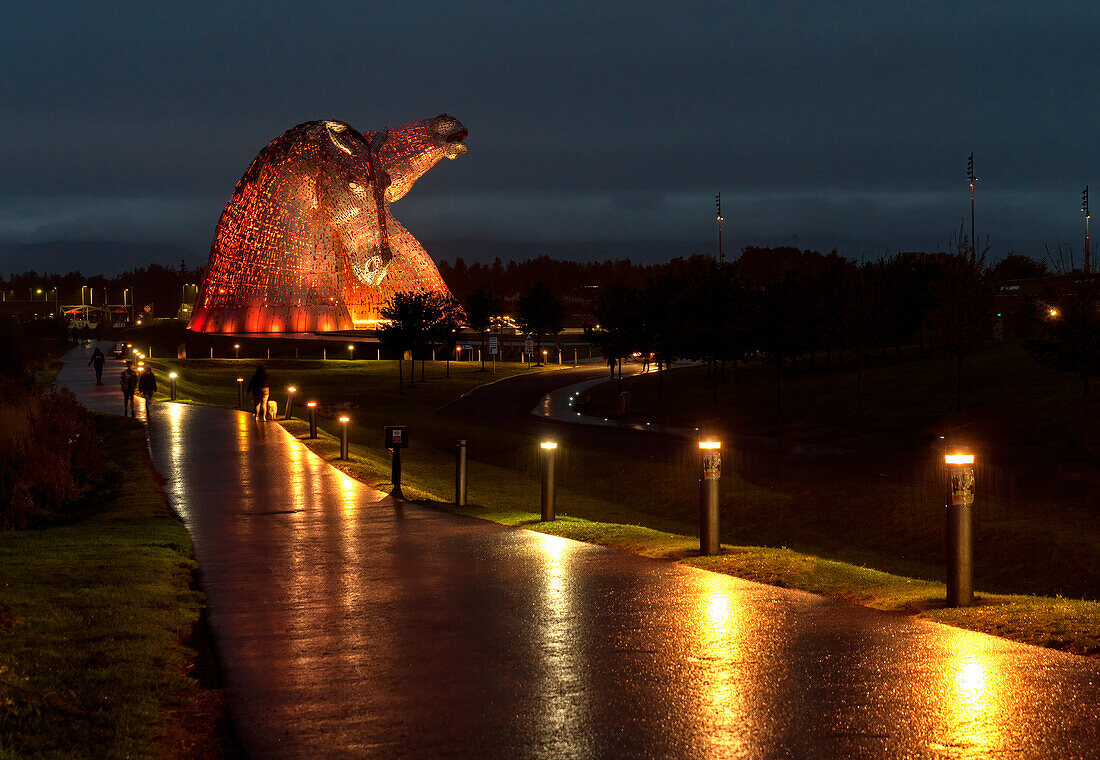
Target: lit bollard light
pixel 710 475
pixel 172 378
pixel 312 405
pixel 351 351
pixel 549 449
pixel 290 391
pixel 960 545
pixel 211 352
pixel 236 350
pixel 344 437
pixel 460 473
pixel 240 393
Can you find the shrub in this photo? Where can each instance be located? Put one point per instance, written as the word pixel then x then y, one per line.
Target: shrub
pixel 49 455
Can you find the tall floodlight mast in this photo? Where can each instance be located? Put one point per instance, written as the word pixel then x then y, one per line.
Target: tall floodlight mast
pixel 1085 210
pixel 718 205
pixel 971 179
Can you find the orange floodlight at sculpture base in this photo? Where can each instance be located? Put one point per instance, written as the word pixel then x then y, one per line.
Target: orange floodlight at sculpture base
pixel 308 243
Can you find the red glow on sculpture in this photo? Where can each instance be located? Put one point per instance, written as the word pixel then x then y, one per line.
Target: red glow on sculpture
pixel 308 243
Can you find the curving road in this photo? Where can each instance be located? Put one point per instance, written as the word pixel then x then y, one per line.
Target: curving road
pixel 350 626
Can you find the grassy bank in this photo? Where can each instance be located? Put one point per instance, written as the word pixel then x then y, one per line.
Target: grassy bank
pixel 93 616
pixel 777 530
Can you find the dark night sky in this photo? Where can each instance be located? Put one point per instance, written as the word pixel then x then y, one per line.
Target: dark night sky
pixel 846 124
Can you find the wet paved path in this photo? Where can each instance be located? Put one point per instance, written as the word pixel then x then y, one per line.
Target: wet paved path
pixel 351 627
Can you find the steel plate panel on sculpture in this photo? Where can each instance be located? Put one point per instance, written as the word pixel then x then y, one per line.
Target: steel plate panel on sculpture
pixel 308 243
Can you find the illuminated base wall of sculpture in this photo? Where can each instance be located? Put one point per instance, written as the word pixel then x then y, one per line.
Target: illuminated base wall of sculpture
pixel 308 243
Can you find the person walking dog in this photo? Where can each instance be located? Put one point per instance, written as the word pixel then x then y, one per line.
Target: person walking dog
pixel 260 388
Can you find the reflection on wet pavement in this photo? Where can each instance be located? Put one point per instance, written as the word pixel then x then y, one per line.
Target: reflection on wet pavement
pixel 350 627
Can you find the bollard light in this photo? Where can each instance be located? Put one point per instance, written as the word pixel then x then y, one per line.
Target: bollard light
pixel 460 473
pixel 711 473
pixel 351 351
pixel 172 377
pixel 549 449
pixel 960 543
pixel 312 418
pixel 290 391
pixel 240 393
pixel 544 352
pixel 344 437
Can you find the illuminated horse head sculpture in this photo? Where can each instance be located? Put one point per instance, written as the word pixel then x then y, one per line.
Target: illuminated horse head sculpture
pixel 307 241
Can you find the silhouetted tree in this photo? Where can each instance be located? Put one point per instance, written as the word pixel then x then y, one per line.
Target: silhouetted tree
pixel 410 316
pixel 961 320
pixel 538 313
pixel 861 316
pixel 618 316
pixel 1017 267
pixel 481 307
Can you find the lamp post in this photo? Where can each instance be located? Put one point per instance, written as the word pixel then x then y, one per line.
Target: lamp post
pixel 290 391
pixel 172 378
pixel 710 474
pixel 344 437
pixel 312 406
pixel 549 449
pixel 1085 211
pixel 960 544
pixel 351 351
pixel 460 473
pixel 236 350
pixel 240 393
pixel 544 353
pixel 970 178
pixel 719 219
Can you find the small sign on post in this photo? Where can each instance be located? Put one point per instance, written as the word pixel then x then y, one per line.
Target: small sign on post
pixel 493 345
pixel 396 438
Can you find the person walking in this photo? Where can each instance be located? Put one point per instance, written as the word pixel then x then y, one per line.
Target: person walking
pixel 147 386
pixel 260 388
pixel 129 381
pixel 97 361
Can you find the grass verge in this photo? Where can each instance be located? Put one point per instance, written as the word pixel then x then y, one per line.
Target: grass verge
pixel 509 498
pixel 94 616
